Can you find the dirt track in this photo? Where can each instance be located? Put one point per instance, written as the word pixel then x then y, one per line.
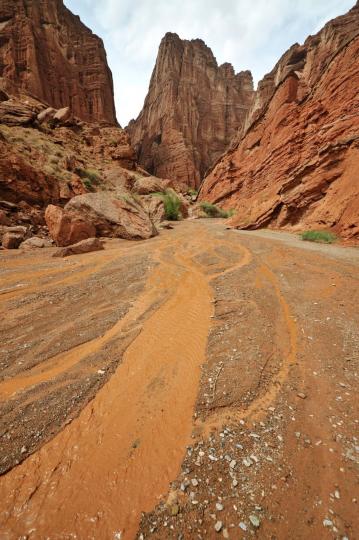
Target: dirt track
pixel 203 367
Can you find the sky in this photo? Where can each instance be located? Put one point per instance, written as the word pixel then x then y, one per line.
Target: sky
pixel 250 34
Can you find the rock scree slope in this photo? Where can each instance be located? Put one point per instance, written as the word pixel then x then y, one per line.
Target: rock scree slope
pixel 192 111
pixel 46 51
pixel 295 165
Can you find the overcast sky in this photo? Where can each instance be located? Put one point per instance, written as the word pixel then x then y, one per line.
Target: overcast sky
pixel 251 34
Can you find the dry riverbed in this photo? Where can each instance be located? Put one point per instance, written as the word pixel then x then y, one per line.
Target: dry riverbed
pixel 201 384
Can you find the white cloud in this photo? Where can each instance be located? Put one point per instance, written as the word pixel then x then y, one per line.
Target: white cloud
pixel 251 34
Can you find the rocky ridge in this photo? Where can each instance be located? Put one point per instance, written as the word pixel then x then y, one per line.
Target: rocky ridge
pixel 191 113
pixel 47 52
pixel 293 165
pixel 71 179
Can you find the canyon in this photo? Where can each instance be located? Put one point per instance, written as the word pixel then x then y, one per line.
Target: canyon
pixel 164 375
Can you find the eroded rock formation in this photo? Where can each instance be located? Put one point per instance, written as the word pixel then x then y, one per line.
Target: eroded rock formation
pixel 48 52
pixel 296 163
pixel 191 113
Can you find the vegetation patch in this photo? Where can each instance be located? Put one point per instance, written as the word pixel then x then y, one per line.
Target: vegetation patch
pixel 322 237
pixel 90 175
pixel 172 205
pixel 214 211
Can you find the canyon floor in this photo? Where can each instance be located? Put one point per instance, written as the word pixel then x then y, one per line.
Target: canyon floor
pixel 201 384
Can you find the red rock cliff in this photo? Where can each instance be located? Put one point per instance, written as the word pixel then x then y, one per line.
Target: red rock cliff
pixel 46 51
pixel 191 113
pixel 295 164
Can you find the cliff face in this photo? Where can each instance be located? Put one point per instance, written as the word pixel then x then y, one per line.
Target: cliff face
pixel 191 113
pixel 46 51
pixel 295 164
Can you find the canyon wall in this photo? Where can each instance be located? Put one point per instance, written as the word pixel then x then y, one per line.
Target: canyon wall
pixel 47 52
pixel 295 163
pixel 191 113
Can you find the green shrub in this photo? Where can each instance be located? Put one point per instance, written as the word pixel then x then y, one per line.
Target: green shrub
pixel 192 192
pixel 172 205
pixel 88 184
pixel 90 174
pixel 323 237
pixel 214 211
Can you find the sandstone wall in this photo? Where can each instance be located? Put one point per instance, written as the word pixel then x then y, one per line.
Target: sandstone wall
pixel 46 51
pixel 295 164
pixel 191 113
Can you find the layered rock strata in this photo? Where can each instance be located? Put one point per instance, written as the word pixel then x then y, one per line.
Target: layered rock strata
pixel 191 113
pixel 48 52
pixel 295 163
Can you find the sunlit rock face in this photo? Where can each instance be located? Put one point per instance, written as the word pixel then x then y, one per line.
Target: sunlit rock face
pixel 192 111
pixel 46 51
pixel 295 164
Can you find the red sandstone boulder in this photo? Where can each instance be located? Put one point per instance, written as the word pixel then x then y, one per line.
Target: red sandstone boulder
pixel 150 184
pixel 16 113
pixel 112 216
pixel 11 240
pixel 154 207
pixel 46 115
pixel 35 242
pixel 62 115
pixel 98 214
pixel 11 237
pixel 85 246
pixel 65 229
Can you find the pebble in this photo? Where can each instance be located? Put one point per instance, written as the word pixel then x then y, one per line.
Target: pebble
pixel 194 482
pixel 218 526
pixel 235 483
pixel 301 395
pixel 254 520
pixel 337 494
pixel 219 507
pixel 233 464
pixel 327 523
pixel 225 533
pixel 23 450
pixel 247 462
pixel 243 526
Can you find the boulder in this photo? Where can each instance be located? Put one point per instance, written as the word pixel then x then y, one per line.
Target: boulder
pixel 11 240
pixel 15 113
pixel 46 115
pixel 65 229
pixel 4 220
pixel 154 207
pixel 112 216
pixel 150 184
pixel 35 242
pixel 77 186
pixel 62 115
pixel 85 246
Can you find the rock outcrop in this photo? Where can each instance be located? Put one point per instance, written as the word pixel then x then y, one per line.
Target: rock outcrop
pixel 85 246
pixel 98 214
pixel 191 113
pixel 47 52
pixel 295 164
